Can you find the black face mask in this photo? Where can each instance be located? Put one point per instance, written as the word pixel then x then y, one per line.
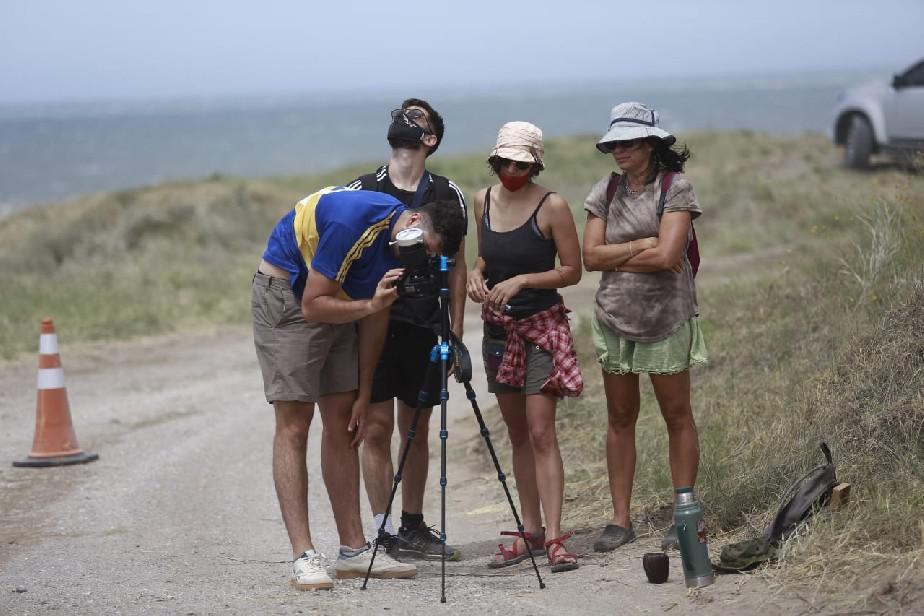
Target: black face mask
pixel 402 133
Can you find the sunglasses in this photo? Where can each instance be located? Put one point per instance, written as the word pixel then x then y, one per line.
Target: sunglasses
pixel 502 163
pixel 629 144
pixel 410 115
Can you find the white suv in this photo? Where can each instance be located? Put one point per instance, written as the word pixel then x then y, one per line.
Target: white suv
pixel 882 117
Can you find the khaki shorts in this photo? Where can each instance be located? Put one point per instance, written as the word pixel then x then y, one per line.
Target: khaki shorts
pixel 539 364
pixel 300 361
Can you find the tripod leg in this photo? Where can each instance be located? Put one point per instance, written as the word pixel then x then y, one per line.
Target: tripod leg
pixel 486 434
pixel 422 398
pixel 444 435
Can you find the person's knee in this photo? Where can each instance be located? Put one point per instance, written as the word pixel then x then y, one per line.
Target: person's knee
pixel 679 419
pixel 292 429
pixel 518 437
pixel 542 439
pixel 622 416
pixel 421 430
pixel 378 435
pixel 421 434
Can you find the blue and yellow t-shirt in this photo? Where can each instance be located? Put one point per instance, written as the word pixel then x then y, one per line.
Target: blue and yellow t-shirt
pixel 343 234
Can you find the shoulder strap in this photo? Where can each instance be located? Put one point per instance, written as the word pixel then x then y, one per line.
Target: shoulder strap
pixel 666 180
pixel 541 201
pixel 422 186
pixel 534 219
pixel 486 215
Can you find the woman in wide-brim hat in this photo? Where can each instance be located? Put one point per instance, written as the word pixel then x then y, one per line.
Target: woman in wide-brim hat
pixel 527 347
pixel 645 316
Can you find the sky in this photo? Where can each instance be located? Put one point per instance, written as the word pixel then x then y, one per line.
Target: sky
pixel 62 50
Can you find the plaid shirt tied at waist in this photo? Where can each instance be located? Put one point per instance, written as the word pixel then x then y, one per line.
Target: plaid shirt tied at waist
pixel 550 331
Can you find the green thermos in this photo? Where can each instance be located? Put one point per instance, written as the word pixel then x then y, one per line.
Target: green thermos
pixel 691 535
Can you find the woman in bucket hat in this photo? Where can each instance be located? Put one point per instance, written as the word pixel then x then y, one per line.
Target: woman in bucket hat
pixel 527 347
pixel 645 317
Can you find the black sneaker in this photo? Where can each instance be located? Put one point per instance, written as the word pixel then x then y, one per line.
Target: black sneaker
pixel 390 544
pixel 424 542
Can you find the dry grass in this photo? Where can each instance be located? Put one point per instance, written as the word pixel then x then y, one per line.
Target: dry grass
pixel 811 299
pixel 821 341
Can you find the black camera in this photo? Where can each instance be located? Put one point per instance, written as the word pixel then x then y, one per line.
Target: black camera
pixel 421 277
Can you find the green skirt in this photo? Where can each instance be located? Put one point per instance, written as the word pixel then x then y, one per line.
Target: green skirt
pixel 676 353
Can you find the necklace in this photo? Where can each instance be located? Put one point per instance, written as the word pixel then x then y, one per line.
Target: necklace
pixel 634 192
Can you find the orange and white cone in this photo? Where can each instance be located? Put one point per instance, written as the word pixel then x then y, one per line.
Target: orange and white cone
pixel 55 442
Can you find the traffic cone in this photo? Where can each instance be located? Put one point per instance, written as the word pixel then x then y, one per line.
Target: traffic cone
pixel 55 442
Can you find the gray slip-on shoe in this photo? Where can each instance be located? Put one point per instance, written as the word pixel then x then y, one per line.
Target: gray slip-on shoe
pixel 669 541
pixel 612 537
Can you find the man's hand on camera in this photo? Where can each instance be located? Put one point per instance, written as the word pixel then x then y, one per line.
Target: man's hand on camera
pixel 357 423
pixel 386 292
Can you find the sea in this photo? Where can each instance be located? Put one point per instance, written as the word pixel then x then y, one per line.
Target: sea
pixel 55 151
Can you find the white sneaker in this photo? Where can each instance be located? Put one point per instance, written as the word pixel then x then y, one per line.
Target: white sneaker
pixel 385 566
pixel 309 573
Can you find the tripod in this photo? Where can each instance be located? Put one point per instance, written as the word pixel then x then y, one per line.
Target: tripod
pixel 447 347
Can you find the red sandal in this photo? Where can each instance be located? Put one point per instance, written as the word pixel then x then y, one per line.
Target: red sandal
pixel 559 557
pixel 512 555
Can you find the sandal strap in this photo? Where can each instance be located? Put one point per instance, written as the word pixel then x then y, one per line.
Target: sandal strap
pixel 524 535
pixel 560 555
pixel 506 553
pixel 536 541
pixel 559 540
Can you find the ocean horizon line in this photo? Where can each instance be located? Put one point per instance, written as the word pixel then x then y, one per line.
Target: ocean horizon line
pixel 205 103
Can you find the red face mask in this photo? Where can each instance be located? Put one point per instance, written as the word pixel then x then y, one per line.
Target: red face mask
pixel 513 183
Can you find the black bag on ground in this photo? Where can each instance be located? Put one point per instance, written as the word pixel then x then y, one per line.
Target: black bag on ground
pixel 806 495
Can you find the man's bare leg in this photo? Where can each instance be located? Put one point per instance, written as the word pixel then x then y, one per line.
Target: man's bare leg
pixel 378 469
pixel 290 473
pixel 418 458
pixel 340 467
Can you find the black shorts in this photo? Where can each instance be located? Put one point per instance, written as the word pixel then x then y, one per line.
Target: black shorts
pixel 403 365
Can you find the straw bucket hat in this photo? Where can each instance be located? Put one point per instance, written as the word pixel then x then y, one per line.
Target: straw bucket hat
pixel 520 141
pixel 633 121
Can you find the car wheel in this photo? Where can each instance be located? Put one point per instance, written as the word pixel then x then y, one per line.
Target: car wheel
pixel 859 143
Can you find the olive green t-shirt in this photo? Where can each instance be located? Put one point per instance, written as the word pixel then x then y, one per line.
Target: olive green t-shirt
pixel 643 307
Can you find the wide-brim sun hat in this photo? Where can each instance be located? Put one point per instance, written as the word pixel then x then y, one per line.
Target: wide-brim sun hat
pixel 520 141
pixel 633 121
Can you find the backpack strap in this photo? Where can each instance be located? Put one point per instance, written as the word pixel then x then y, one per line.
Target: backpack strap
pixel 422 187
pixel 612 185
pixel 376 181
pixel 826 451
pixel 666 180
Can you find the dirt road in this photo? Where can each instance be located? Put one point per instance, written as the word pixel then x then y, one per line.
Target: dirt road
pixel 179 515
